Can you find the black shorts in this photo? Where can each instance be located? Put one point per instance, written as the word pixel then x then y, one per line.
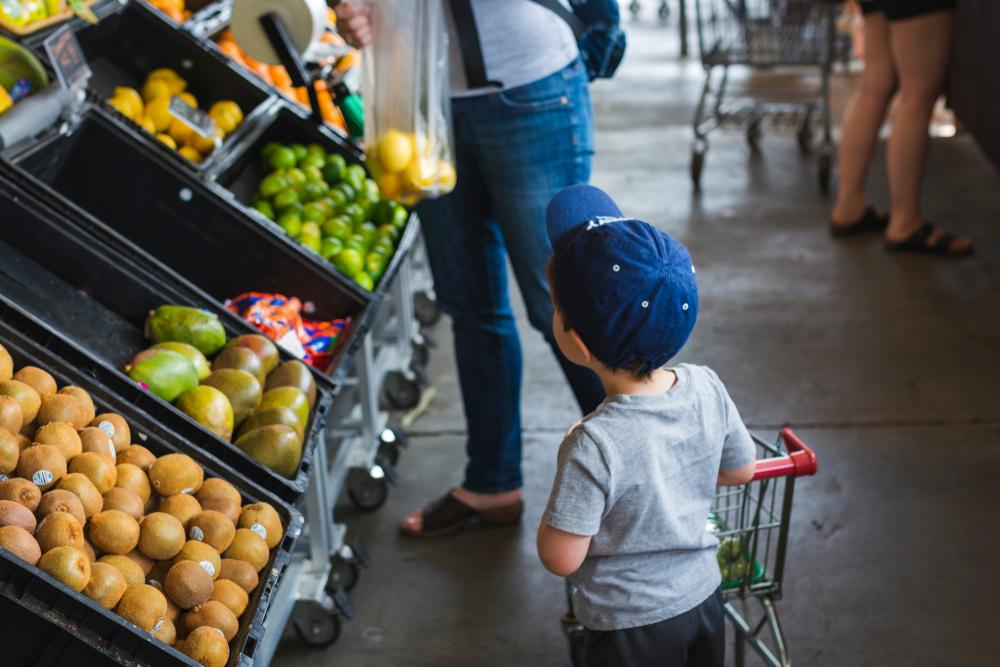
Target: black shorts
pixel 897 10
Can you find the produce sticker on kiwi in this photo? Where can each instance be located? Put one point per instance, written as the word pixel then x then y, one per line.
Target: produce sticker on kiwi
pixel 208 567
pixel 42 477
pixel 107 427
pixel 196 533
pixel 260 530
pixel 156 628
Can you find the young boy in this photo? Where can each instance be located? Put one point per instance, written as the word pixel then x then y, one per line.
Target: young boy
pixel 635 479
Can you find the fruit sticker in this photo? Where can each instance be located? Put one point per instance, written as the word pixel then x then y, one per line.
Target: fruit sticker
pixel 156 628
pixel 108 428
pixel 208 567
pixel 260 530
pixel 42 477
pixel 197 533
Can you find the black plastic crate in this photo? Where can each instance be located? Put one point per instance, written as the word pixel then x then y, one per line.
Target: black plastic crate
pixel 47 623
pixel 240 173
pixel 141 205
pixel 99 298
pixel 131 42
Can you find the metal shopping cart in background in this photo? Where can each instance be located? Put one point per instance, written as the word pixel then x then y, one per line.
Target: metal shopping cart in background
pixel 765 34
pixel 751 522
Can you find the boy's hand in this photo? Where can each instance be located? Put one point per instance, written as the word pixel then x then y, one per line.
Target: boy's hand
pixel 354 23
pixel 737 476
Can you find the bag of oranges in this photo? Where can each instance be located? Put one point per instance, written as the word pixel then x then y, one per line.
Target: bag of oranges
pixel 407 101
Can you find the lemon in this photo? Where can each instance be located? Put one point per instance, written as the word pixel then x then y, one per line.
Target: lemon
pixel 158 111
pixel 419 176
pixel 174 80
pixel 189 98
pixel 168 140
pixel 227 116
pixel 229 107
pixel 388 185
pixel 395 151
pixel 191 154
pixel 203 145
pixel 179 131
pixel 124 106
pixel 156 89
pixel 446 175
pixel 147 124
pixel 130 94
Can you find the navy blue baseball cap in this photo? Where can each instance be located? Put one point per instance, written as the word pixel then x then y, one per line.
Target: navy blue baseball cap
pixel 626 288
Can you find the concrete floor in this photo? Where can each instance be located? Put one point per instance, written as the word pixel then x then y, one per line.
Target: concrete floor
pixel 887 365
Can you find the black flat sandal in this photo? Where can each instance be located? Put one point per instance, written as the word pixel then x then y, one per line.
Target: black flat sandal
pixel 870 221
pixel 920 242
pixel 448 515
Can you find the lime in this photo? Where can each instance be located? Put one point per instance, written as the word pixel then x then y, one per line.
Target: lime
pixel 367 202
pixel 333 170
pixel 349 261
pixel 370 187
pixel 313 190
pixel 299 151
pixel 375 264
pixel 312 160
pixel 313 212
pixel 269 148
pixel 349 192
pixel 357 243
pixel 365 281
pixel 312 173
pixel 382 213
pixel 286 197
pixel 291 223
pixel 264 208
pixel 272 185
pixel 295 176
pixel 282 157
pixel 337 198
pixel 295 208
pixel 383 247
pixel 310 236
pixel 324 206
pixel 330 247
pixel 368 231
pixel 354 175
pixel 338 227
pixel 400 216
pixel 388 232
pixel 316 149
pixel 354 213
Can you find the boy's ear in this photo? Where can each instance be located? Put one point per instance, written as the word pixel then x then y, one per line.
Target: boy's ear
pixel 581 347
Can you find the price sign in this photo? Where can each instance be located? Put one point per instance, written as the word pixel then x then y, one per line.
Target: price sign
pixel 196 119
pixel 68 59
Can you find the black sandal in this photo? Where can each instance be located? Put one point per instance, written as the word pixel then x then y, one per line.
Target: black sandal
pixel 870 221
pixel 919 242
pixel 448 515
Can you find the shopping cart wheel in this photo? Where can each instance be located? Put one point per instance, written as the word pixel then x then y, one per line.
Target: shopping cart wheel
pixel 344 574
pixel 402 390
pixel 390 443
pixel 697 164
pixel 753 135
pixel 425 309
pixel 663 12
pixel 314 625
pixel 804 135
pixel 825 173
pixel 368 489
pixel 634 8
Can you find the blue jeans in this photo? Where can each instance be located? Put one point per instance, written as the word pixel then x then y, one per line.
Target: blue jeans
pixel 515 150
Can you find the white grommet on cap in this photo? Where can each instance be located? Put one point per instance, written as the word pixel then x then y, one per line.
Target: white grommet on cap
pixel 684 307
pixel 692 268
pixel 616 268
pixel 645 304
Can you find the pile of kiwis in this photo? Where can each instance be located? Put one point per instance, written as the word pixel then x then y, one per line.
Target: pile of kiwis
pixel 149 537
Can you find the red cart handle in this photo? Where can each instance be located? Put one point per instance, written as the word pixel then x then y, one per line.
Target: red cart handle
pixel 800 461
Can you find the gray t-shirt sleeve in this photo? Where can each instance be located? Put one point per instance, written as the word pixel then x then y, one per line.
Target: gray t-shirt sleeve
pixel 738 448
pixel 580 491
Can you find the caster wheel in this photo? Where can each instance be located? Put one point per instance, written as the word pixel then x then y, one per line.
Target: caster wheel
pixel 697 164
pixel 401 392
pixel 421 355
pixel 634 8
pixel 663 13
pixel 314 625
pixel 366 491
pixel 804 135
pixel 825 173
pixel 391 444
pixel 425 309
pixel 344 574
pixel 753 135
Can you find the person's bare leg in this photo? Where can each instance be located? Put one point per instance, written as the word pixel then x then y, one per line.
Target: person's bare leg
pixel 863 120
pixel 920 50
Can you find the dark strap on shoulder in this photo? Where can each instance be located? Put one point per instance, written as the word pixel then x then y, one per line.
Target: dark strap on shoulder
pixel 468 41
pixel 575 24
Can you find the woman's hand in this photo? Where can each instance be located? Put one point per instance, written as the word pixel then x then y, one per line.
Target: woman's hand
pixel 354 23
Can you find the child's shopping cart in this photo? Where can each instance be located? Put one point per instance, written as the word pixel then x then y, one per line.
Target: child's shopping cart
pixel 765 34
pixel 751 522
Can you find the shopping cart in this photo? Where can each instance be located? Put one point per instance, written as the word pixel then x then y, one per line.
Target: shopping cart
pixel 765 34
pixel 751 522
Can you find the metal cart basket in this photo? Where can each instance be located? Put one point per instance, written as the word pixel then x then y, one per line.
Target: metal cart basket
pixel 751 522
pixel 764 34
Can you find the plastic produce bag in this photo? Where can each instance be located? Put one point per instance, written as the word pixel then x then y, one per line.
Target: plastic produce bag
pixel 408 101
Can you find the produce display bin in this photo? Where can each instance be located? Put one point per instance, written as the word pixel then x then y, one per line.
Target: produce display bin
pixel 130 43
pixel 99 298
pixel 240 172
pixel 141 205
pixel 47 623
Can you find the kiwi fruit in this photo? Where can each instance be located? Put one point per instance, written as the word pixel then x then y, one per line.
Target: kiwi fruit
pixel 250 547
pixel 106 586
pixel 161 536
pixel 60 434
pixel 138 456
pixel 10 451
pixel 142 560
pixel 85 401
pixel 116 427
pixel 143 605
pixel 165 631
pixel 240 359
pixel 60 408
pixel 97 468
pixel 93 439
pixel 118 498
pixel 59 530
pixel 11 417
pixel 188 584
pixel 81 486
pixel 216 487
pixel 114 532
pixel 173 611
pixel 213 528
pixel 60 500
pixel 21 543
pixel 240 573
pixel 6 365
pixel 262 519
pixel 37 379
pixel 132 477
pixel 15 514
pixel 207 646
pixel 176 473
pixel 202 554
pixel 213 614
pixel 23 441
pixel 67 564
pixel 42 464
pixel 29 430
pixel 225 506
pixel 21 491
pixel 232 595
pixel 182 506
pixel 88 549
pixel 26 397
pixel 131 570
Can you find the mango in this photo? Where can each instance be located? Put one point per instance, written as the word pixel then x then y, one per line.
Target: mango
pixel 261 346
pixel 296 374
pixel 209 407
pixel 241 388
pixel 277 446
pixel 183 324
pixel 275 415
pixel 166 373
pixel 192 353
pixel 287 397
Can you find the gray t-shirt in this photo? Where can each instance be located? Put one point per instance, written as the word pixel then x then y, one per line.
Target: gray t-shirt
pixel 522 42
pixel 639 475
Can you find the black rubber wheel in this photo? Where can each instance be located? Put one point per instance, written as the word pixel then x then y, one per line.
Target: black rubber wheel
pixel 825 173
pixel 663 13
pixel 804 135
pixel 389 452
pixel 634 8
pixel 314 625
pixel 421 355
pixel 401 392
pixel 697 164
pixel 344 574
pixel 753 135
pixel 366 493
pixel 425 309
